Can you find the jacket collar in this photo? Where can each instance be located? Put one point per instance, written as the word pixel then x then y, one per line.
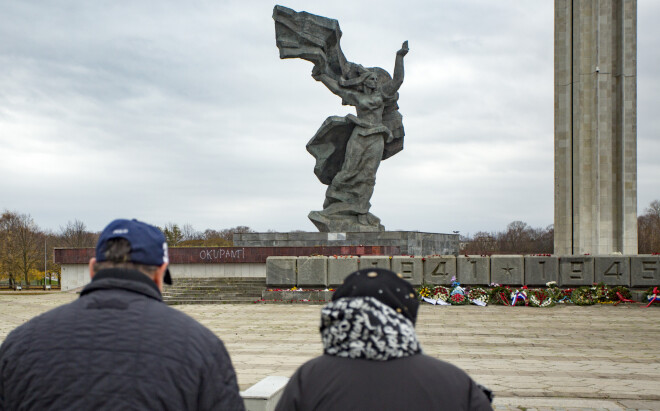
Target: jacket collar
pixel 120 278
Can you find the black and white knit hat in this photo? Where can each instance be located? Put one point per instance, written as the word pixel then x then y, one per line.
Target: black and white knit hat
pixel 387 286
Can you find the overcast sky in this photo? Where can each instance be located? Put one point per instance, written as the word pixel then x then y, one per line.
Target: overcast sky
pixel 171 111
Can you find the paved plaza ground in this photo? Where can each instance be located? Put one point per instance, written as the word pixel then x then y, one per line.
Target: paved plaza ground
pixel 559 358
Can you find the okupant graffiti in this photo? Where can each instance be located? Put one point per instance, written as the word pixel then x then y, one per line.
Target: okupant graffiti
pixel 221 254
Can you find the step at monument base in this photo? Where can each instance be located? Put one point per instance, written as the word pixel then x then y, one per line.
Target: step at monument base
pixel 409 242
pixel 223 290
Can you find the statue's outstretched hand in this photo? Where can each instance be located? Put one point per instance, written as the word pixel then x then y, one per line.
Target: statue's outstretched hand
pixel 404 49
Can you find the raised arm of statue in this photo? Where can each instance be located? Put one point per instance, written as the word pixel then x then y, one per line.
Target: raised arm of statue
pixel 333 85
pixel 393 86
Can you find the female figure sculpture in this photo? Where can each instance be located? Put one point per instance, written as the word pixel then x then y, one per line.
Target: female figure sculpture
pixel 348 150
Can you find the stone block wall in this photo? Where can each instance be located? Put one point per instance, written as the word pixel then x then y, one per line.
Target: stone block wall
pixel 473 270
pixel 312 271
pixel 644 270
pixel 439 270
pixel 638 271
pixel 540 270
pixel 507 269
pixel 339 267
pixel 411 268
pixel 281 271
pixel 576 271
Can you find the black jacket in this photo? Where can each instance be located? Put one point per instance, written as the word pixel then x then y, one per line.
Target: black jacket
pixel 117 347
pixel 417 382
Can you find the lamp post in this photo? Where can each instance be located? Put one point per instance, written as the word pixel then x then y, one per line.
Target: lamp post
pixel 45 262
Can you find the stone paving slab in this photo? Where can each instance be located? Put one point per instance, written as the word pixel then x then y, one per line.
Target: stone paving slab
pixel 559 358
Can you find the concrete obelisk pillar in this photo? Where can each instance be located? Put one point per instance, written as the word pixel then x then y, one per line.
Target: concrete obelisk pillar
pixel 595 126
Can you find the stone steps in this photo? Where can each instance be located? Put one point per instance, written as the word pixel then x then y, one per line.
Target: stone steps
pixel 215 290
pixel 229 290
pixel 214 281
pixel 210 287
pixel 211 301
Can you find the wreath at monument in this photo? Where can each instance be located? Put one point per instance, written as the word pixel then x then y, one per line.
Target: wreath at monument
pixel 441 293
pixel 620 294
pixel 424 291
pixel 652 295
pixel 499 295
pixel 564 296
pixel 536 297
pixel 519 297
pixel 540 298
pixel 478 296
pixel 457 294
pixel 582 296
pixel 558 295
pixel 601 293
pixel 458 299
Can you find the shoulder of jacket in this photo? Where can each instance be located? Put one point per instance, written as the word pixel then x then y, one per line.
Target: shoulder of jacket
pixel 178 319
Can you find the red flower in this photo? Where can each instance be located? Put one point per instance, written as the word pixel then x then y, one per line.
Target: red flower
pixel 457 298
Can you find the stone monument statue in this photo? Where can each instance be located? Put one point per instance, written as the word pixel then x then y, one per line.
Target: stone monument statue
pixel 348 150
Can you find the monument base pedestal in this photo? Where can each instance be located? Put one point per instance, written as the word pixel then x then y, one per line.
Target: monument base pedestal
pixel 366 223
pixel 409 242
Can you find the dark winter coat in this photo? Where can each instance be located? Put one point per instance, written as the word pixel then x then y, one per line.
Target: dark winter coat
pixel 417 382
pixel 117 347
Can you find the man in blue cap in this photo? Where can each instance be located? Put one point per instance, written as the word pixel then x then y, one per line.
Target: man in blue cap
pixel 118 346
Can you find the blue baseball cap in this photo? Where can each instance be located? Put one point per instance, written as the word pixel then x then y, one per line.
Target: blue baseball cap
pixel 148 244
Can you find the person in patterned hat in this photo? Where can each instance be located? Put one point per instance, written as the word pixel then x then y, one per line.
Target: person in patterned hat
pixel 372 359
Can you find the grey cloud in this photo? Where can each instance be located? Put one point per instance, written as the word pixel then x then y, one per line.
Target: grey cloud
pixel 186 113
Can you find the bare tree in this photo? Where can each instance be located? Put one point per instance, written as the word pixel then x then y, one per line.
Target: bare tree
pixel 544 240
pixel 210 233
pixel 214 238
pixel 228 233
pixel 482 243
pixel 518 238
pixel 648 229
pixel 220 238
pixel 75 235
pixel 189 233
pixel 22 244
